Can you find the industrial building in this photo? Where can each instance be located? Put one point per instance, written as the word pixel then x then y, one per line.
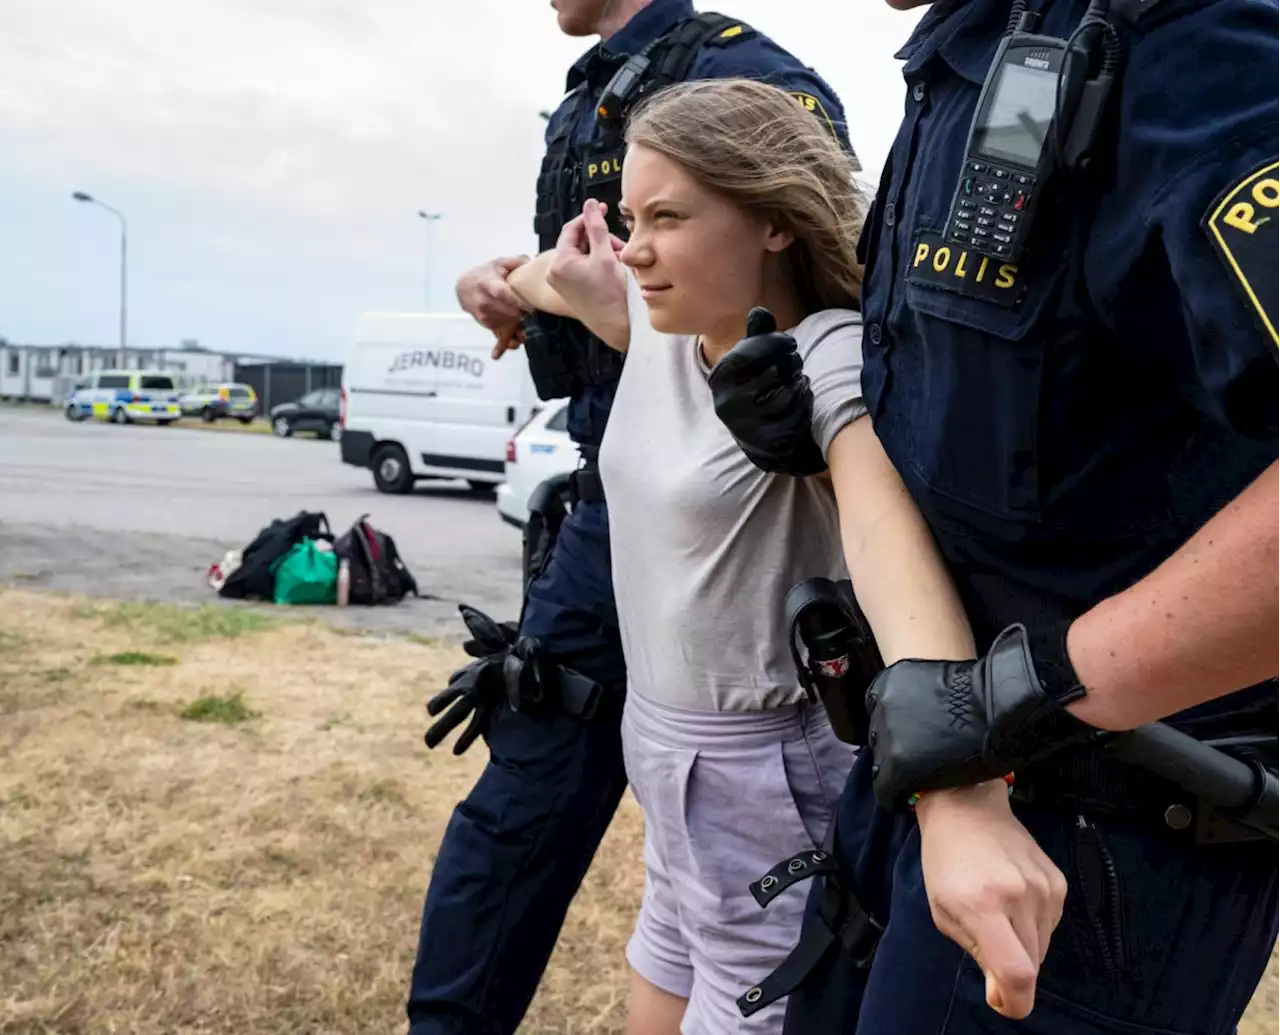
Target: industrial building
pixel 48 373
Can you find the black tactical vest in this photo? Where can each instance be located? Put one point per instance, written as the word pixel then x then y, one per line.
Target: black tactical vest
pixel 564 357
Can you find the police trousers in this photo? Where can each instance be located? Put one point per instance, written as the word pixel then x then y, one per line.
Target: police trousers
pixel 516 850
pixel 1172 940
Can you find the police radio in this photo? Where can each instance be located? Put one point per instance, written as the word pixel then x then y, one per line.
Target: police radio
pixel 623 90
pixel 1040 110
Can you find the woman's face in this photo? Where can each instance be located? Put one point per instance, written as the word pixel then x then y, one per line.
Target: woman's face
pixel 699 258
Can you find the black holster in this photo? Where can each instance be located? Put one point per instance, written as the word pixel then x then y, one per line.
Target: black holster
pixel 536 684
pixel 547 512
pixel 841 657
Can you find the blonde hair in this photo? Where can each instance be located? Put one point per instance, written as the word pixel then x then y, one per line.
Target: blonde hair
pixel 755 145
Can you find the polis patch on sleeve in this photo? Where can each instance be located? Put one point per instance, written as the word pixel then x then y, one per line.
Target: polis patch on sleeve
pixel 818 110
pixel 935 263
pixel 1241 223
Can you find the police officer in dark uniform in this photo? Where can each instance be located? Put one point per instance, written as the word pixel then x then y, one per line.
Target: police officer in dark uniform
pixel 1070 313
pixel 548 696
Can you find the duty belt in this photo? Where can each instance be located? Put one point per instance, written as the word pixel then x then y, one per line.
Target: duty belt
pixel 1094 781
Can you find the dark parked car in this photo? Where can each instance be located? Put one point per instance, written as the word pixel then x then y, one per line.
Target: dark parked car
pixel 316 411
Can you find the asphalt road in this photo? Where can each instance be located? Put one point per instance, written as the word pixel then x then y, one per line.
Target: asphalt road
pixel 140 512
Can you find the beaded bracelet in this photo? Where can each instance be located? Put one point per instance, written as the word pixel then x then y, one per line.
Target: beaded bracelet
pixel 911 801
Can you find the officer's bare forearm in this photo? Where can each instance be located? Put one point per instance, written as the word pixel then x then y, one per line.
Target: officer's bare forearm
pixel 530 283
pixel 898 574
pixel 1198 627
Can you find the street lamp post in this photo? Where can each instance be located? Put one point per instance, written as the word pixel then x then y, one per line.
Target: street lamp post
pixel 124 265
pixel 430 218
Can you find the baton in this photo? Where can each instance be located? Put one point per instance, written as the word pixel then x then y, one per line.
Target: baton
pixel 1246 792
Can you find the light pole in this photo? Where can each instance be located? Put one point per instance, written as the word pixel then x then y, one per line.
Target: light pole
pixel 429 217
pixel 124 265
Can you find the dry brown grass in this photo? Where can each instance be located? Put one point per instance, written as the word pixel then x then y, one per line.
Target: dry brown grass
pixel 160 876
pixel 167 876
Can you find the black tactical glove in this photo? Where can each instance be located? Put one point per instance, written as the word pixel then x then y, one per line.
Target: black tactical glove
pixel 762 396
pixel 477 689
pixel 938 724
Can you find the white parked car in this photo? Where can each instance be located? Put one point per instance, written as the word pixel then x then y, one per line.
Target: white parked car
pixel 540 450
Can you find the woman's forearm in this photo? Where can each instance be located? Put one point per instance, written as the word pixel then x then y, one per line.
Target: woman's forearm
pixel 898 574
pixel 609 322
pixel 1198 627
pixel 530 283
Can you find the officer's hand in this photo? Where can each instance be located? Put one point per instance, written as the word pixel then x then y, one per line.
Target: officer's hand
pixel 762 396
pixel 587 273
pixel 483 292
pixel 509 339
pixel 940 724
pixel 991 889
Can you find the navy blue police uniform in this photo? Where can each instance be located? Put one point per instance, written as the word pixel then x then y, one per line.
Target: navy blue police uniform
pixel 516 850
pixel 1066 423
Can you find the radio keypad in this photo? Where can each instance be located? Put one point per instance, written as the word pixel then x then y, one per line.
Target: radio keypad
pixel 989 206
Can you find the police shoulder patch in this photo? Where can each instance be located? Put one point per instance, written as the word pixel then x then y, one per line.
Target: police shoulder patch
pixel 813 104
pixel 737 33
pixel 1241 224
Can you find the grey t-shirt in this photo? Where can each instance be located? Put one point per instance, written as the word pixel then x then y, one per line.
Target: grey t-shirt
pixel 705 545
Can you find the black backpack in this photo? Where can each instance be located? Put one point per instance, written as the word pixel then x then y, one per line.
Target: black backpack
pixel 378 575
pixel 254 578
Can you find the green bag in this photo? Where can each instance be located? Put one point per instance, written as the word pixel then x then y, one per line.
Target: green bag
pixel 306 575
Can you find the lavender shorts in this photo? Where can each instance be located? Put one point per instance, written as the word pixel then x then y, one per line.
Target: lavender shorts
pixel 725 796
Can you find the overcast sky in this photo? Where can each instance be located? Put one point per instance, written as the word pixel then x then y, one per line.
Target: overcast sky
pixel 271 155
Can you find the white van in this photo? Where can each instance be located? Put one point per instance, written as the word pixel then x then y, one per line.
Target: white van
pixel 421 398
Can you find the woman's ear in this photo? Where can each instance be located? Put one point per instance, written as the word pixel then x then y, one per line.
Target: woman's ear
pixel 778 236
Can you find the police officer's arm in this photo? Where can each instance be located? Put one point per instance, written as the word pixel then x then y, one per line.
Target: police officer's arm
pixel 582 278
pixel 1198 155
pixel 1200 626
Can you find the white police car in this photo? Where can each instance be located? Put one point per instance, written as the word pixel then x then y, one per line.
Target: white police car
pixel 125 396
pixel 538 451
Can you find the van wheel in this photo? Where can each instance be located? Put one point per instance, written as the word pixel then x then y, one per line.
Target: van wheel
pixel 207 415
pixel 391 471
pixel 118 416
pixel 73 413
pixel 245 420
